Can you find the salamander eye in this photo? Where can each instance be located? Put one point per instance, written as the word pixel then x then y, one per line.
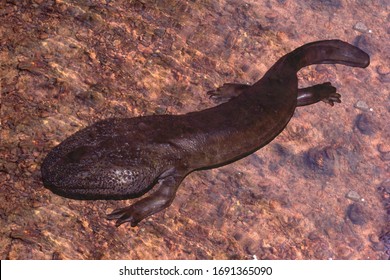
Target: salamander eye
pixel 76 155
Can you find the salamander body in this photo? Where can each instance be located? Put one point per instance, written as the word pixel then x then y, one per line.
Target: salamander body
pixel 125 158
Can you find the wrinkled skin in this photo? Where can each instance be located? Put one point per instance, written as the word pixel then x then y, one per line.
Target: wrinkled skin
pixel 125 158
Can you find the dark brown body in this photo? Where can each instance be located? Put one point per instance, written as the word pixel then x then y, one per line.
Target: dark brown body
pixel 124 158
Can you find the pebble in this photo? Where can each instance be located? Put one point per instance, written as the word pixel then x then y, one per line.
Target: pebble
pixel 245 68
pixel 365 124
pixel 250 247
pixel 352 195
pixel 159 32
pixel 385 156
pixel 160 110
pixel 361 27
pixel 313 236
pixel 237 236
pixel 356 214
pixel 383 69
pixel 97 96
pixel 362 105
pixel 321 160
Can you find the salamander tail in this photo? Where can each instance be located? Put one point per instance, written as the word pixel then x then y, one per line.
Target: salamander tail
pixel 328 52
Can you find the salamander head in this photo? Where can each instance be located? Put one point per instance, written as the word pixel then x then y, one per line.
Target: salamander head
pixel 89 172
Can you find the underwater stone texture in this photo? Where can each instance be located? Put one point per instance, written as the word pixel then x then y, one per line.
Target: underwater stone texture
pixel 66 64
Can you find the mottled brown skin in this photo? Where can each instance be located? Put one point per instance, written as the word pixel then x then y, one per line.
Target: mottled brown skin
pixel 125 158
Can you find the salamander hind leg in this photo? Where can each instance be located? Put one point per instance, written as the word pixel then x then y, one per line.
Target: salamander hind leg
pixel 323 92
pixel 157 201
pixel 227 92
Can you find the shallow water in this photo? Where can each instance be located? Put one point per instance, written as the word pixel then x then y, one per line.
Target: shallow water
pixel 320 190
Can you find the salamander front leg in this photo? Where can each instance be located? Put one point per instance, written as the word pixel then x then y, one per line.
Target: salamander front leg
pixel 150 205
pixel 323 92
pixel 227 92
